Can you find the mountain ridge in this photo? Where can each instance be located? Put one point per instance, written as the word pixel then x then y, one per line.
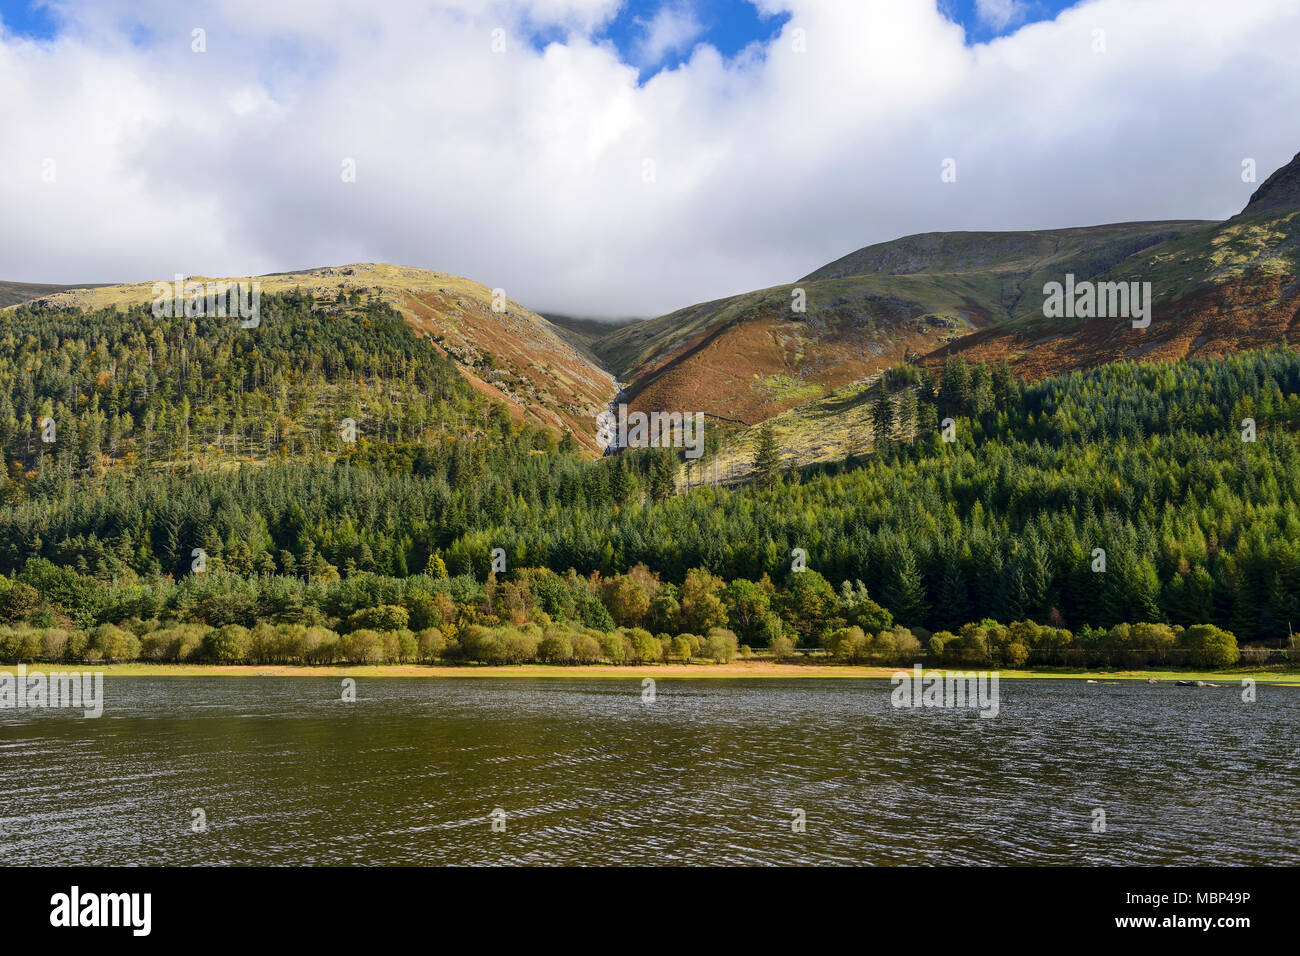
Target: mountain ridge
pixel 1007 248
pixel 1217 286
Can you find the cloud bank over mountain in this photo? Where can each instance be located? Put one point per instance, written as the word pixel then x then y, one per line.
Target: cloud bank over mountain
pixel 507 142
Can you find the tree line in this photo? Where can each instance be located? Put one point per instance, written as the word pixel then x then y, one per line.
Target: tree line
pixel 537 615
pixel 1124 495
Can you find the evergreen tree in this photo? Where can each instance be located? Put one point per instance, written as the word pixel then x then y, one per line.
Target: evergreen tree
pixel 767 458
pixel 904 589
pixel 882 419
pixel 907 416
pixel 954 386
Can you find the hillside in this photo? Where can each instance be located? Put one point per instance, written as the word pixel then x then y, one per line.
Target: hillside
pixel 514 355
pixel 1145 461
pixel 96 392
pixel 1281 191
pixel 743 359
pixel 1024 255
pixel 1237 291
pixel 12 293
pixel 1215 290
pixel 750 356
pixel 823 431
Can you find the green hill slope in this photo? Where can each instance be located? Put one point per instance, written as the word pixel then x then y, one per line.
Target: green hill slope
pixel 1215 290
pixel 500 347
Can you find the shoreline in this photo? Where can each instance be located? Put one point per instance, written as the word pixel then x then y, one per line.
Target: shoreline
pixel 766 670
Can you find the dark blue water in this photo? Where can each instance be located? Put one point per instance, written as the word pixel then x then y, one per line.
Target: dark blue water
pixel 713 771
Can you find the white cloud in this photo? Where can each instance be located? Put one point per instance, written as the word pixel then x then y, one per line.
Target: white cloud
pixel 672 29
pixel 999 14
pixel 525 169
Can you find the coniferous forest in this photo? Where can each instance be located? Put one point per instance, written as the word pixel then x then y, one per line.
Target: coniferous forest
pixel 326 486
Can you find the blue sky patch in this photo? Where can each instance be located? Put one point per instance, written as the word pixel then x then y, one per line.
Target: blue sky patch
pixel 986 20
pixel 655 35
pixel 28 18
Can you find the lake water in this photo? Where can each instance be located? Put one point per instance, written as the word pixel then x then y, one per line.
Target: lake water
pixel 712 771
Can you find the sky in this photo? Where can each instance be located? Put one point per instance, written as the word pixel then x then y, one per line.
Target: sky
pixel 614 158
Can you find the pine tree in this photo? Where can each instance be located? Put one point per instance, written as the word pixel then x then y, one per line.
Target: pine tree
pixel 663 474
pixel 882 420
pixel 907 415
pixel 952 606
pixel 767 458
pixel 954 386
pixel 1004 386
pixel 904 591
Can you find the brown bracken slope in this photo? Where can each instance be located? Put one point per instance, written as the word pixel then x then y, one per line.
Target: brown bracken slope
pixel 753 356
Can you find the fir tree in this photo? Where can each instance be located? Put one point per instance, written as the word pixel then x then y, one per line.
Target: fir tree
pixel 767 458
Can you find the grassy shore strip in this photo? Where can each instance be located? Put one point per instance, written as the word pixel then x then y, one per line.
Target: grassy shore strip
pixel 736 669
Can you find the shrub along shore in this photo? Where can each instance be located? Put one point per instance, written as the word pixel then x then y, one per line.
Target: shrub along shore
pixel 536 616
pixel 381 636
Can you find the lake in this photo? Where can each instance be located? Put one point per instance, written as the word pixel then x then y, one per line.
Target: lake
pixel 713 771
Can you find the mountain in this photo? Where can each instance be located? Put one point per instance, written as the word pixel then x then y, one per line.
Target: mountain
pixel 751 356
pixel 1088 250
pixel 748 357
pixel 1218 289
pixel 12 293
pixel 1279 191
pixel 514 354
pixel 584 331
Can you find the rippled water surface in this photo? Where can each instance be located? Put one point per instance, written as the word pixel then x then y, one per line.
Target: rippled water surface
pixel 710 772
